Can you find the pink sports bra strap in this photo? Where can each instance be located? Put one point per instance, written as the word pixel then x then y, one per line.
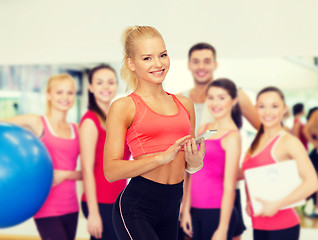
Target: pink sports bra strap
pixel 179 104
pixel 228 133
pixel 45 126
pixel 75 130
pixel 272 142
pixel 205 128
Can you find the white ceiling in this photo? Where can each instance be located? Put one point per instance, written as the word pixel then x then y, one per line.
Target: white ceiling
pixel 81 31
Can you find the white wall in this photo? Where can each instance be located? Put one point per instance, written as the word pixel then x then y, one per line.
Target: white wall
pixel 77 31
pixel 250 73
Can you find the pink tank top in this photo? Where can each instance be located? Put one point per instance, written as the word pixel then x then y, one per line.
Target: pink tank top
pixel 106 192
pixel 207 184
pixel 152 132
pixel 62 198
pixel 282 219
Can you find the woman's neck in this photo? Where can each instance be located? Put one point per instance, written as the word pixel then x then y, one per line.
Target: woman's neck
pixel 270 132
pixel 225 122
pixel 153 90
pixel 104 107
pixel 57 116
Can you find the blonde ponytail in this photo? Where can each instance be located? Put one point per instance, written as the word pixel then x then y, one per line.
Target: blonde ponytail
pixel 130 35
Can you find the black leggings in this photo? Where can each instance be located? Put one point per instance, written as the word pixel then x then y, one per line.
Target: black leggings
pixel 314 159
pixel 240 226
pixel 57 228
pixel 105 211
pixel 205 221
pixel 147 210
pixel 288 234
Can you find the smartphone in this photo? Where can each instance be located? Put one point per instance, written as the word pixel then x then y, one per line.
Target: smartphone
pixel 205 135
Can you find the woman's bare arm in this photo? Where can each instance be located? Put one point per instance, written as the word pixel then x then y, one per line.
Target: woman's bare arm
pixel 88 140
pixel 232 147
pixel 248 110
pixel 31 122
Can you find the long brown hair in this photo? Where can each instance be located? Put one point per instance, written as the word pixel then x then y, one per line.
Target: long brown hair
pixel 230 87
pixel 261 129
pixel 92 104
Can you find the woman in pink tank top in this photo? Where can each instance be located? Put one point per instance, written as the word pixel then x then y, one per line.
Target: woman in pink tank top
pixel 273 144
pixel 57 218
pixel 99 194
pixel 208 211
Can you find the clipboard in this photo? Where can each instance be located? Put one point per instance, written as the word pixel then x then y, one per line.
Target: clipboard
pixel 272 182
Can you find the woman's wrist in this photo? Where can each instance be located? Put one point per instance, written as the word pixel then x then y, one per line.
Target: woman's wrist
pixel 94 213
pixel 191 169
pixel 75 175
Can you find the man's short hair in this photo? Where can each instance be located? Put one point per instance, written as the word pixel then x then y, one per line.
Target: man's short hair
pixel 202 46
pixel 298 108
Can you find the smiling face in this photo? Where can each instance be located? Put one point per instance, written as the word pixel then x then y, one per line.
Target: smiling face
pixel 150 62
pixel 202 64
pixel 220 102
pixel 61 95
pixel 270 108
pixel 104 85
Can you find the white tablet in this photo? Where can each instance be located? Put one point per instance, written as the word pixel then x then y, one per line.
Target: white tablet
pixel 272 182
pixel 205 135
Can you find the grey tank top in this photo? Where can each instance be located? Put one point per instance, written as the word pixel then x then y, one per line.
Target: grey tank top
pixel 202 114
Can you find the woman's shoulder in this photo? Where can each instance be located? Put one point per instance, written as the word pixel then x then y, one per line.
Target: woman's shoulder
pixel 288 143
pixel 231 140
pixel 185 101
pixel 231 134
pixel 123 108
pixel 37 120
pixel 289 139
pixel 182 98
pixel 122 102
pixel 32 122
pixel 89 116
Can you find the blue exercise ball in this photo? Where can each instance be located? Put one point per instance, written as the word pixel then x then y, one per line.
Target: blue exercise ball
pixel 26 174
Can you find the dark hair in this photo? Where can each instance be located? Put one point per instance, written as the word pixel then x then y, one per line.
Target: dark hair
pixel 92 105
pixel 311 111
pixel 261 129
pixel 298 108
pixel 202 46
pixel 230 87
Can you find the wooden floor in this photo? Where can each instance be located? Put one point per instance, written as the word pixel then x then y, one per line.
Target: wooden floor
pixel 306 222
